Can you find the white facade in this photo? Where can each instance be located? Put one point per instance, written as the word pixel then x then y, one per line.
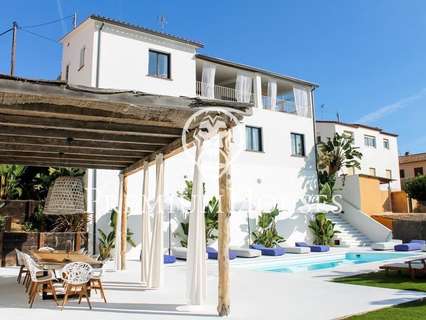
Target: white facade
pixel 263 178
pixel 380 160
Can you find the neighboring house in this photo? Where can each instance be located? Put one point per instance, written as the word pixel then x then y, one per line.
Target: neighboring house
pixel 412 165
pixel 379 149
pixel 276 163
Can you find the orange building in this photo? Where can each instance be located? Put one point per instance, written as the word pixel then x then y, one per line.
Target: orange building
pixel 412 165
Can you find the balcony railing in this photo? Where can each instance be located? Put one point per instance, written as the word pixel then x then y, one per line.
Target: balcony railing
pixel 223 93
pixel 282 104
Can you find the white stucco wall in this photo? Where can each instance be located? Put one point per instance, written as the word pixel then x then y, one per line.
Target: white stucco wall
pixel 380 158
pixel 264 179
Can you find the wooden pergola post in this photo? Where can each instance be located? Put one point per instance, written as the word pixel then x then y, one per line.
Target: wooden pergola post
pixel 223 307
pixel 123 214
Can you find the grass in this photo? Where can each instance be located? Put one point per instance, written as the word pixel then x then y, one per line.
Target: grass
pixel 415 310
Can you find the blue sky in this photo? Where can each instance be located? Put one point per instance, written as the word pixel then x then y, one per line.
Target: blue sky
pixel 369 57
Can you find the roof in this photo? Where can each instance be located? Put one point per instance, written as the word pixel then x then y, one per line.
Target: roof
pixel 382 180
pixel 254 69
pixel 51 123
pixel 139 28
pixel 416 157
pixel 358 125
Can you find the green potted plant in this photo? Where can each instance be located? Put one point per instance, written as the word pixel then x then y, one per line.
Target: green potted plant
pixel 322 229
pixel 266 233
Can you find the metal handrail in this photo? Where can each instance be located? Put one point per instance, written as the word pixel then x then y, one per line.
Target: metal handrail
pixel 222 93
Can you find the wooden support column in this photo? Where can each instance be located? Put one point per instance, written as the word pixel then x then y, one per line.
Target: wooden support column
pixel 223 307
pixel 123 213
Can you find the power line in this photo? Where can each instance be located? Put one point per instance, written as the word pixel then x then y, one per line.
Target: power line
pixel 4 32
pixel 47 23
pixel 39 35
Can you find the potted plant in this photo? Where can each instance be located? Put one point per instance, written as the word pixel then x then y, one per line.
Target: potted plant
pixel 322 229
pixel 266 233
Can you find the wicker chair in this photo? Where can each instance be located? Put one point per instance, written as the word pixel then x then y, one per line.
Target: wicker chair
pixel 38 281
pixel 76 276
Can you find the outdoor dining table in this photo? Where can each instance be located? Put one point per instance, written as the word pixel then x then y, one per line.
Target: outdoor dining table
pixel 56 260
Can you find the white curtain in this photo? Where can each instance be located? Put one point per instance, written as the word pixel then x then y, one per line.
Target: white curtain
pixel 146 226
pixel 301 101
pixel 207 80
pixel 243 88
pixel 118 225
pixel 272 94
pixel 196 256
pixel 155 274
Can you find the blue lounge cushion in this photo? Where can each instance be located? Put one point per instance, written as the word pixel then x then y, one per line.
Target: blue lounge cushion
pixel 212 254
pixel 422 242
pixel 169 259
pixel 313 247
pixel 411 246
pixel 277 251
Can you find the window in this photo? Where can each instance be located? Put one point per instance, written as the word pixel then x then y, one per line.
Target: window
pixel 349 135
pixel 386 143
pixel 297 144
pixel 402 173
pixel 159 64
pixel 82 54
pixel 254 139
pixel 370 141
pixel 389 174
pixel 67 73
pixel 418 171
pixel 372 171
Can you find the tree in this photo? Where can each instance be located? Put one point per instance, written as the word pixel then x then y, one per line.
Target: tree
pixel 416 188
pixel 333 155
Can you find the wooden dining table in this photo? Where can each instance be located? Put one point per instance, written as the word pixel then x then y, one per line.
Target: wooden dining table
pixel 58 259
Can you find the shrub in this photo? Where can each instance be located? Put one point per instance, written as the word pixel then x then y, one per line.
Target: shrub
pixel 416 188
pixel 322 229
pixel 266 233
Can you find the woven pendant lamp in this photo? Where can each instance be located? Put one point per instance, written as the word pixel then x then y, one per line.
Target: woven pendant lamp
pixel 65 197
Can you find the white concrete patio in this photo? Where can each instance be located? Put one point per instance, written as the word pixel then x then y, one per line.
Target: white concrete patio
pixel 254 295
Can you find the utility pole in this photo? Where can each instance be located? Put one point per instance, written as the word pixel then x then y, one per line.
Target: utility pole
pixel 13 53
pixel 74 20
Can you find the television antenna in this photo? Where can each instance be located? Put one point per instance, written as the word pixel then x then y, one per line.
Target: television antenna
pixel 162 21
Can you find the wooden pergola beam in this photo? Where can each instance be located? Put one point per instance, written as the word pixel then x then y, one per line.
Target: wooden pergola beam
pixel 64 156
pixel 60 163
pixel 88 126
pixel 82 144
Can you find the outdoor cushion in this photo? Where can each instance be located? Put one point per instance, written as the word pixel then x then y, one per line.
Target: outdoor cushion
pixel 246 252
pixel 412 246
pixel 314 247
pixel 277 251
pixel 387 245
pixel 169 259
pixel 212 254
pixel 297 249
pixel 418 241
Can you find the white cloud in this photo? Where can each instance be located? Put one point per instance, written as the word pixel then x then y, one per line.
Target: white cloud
pixel 391 108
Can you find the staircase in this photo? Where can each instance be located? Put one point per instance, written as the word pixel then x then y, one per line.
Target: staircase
pixel 349 235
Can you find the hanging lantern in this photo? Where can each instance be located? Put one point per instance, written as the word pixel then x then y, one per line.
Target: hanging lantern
pixel 65 197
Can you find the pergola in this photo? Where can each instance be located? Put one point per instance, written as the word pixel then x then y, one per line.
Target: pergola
pixel 51 123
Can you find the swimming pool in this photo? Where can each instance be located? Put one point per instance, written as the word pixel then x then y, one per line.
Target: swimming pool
pixel 312 264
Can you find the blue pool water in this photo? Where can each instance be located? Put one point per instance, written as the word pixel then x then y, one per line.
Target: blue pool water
pixel 333 262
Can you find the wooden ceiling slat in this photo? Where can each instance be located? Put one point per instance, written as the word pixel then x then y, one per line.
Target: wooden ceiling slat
pixel 52 163
pixel 88 126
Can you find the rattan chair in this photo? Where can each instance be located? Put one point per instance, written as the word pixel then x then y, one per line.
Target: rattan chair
pixel 76 276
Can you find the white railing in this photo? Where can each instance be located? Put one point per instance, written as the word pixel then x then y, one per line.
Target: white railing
pixel 282 104
pixel 223 93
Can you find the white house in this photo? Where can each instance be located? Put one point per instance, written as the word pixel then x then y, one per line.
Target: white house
pixel 273 151
pixel 379 148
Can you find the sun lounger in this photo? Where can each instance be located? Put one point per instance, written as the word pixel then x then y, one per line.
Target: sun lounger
pixel 212 254
pixel 297 249
pixel 313 247
pixel 169 259
pixel 180 252
pixel 415 266
pixel 413 245
pixel 246 252
pixel 387 245
pixel 277 251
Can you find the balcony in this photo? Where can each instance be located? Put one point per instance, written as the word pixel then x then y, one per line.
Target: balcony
pixel 283 104
pixel 223 93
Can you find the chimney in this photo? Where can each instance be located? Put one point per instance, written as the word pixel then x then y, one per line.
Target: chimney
pixel 407 153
